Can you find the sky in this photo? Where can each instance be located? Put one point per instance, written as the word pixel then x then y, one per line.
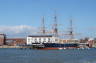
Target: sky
pixel 24 16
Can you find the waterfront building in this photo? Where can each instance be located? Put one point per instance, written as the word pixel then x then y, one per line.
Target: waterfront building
pixel 91 42
pixel 68 40
pixel 15 41
pixel 2 39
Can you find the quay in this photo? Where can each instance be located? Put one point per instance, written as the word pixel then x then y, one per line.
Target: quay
pixel 5 46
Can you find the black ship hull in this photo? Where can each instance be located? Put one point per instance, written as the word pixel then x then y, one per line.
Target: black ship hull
pixel 51 46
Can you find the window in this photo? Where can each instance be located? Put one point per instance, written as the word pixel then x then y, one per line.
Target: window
pixel 35 40
pixel 39 39
pixel 28 39
pixel 48 39
pixel 56 39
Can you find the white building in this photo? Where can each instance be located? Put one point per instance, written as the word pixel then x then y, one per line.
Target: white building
pixel 41 39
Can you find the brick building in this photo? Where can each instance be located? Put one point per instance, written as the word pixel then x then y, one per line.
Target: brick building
pixel 2 39
pixel 15 41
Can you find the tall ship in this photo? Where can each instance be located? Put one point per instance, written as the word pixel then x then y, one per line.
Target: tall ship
pixel 52 41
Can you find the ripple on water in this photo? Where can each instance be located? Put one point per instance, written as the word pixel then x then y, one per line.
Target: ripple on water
pixel 47 56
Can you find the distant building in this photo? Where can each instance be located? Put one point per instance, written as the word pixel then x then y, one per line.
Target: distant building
pixel 41 39
pixel 68 40
pixel 15 41
pixel 91 42
pixel 2 39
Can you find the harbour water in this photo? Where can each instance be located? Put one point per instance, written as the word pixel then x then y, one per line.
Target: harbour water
pixel 9 55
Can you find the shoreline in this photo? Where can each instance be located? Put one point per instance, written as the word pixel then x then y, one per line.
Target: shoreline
pixel 25 47
pixel 5 46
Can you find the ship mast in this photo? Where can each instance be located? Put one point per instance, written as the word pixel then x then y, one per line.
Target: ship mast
pixel 43 25
pixel 55 29
pixel 71 30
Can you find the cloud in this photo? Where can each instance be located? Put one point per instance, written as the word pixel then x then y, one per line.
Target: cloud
pixel 21 30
